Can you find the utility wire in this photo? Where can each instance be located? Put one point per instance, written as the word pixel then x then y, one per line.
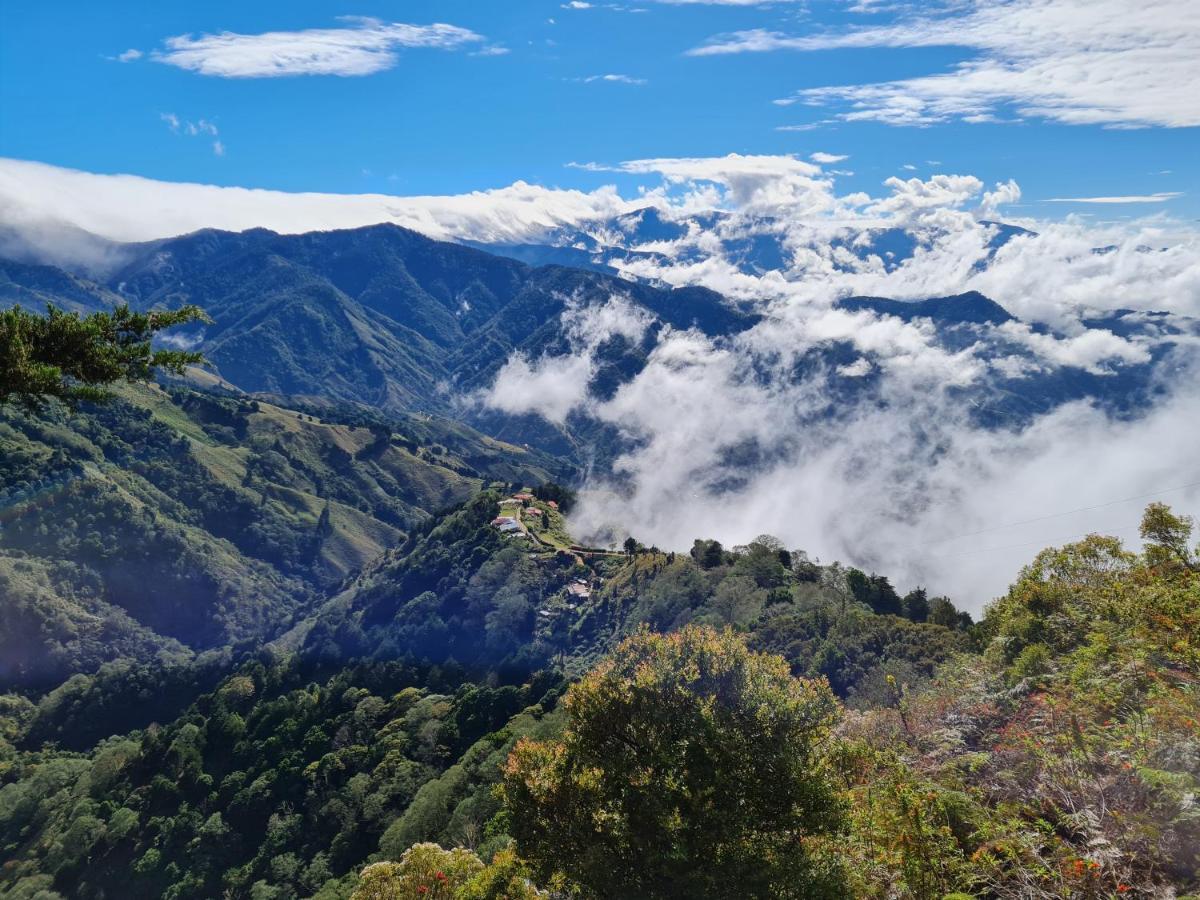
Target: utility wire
pixel 1059 515
pixel 1040 544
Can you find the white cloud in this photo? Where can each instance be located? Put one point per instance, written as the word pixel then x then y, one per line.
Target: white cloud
pixel 760 182
pixel 900 486
pixel 1160 197
pixel 857 369
pixel 199 128
pixel 614 79
pixel 1074 61
pixel 901 490
pixel 553 386
pixel 364 46
pixel 1007 192
pixel 826 158
pixel 130 55
pixel 131 208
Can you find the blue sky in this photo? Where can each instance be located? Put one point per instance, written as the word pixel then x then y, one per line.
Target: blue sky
pixel 516 90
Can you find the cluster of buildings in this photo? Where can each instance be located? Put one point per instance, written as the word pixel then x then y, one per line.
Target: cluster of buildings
pixel 513 508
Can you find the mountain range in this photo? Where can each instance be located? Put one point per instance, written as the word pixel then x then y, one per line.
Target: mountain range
pixel 389 319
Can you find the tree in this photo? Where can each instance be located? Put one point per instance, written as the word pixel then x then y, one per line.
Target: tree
pixel 424 872
pixel 65 356
pixel 1166 536
pixel 916 605
pixel 324 523
pixel 709 554
pixel 631 546
pixel 507 877
pixel 943 612
pixel 688 767
pixel 875 591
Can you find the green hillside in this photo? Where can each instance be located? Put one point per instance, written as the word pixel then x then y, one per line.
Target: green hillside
pixel 173 519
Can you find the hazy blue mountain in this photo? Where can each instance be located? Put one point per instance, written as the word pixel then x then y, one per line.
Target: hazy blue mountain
pixel 754 244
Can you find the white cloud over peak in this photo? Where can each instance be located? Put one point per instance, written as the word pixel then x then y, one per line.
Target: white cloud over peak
pixel 362 47
pixel 748 181
pixel 132 208
pixel 1099 62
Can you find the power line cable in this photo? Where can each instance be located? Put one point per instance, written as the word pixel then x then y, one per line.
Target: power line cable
pixel 1059 515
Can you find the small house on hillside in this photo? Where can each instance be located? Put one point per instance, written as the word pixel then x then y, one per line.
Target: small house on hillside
pixel 579 589
pixel 524 498
pixel 552 504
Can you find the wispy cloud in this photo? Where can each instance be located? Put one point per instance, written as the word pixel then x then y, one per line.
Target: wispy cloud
pixel 724 2
pixel 199 128
pixel 129 55
pixel 364 46
pixel 1160 197
pixel 613 79
pixel 826 158
pixel 1098 62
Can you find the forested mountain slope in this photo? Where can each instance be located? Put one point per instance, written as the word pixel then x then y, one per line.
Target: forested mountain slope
pixel 174 520
pixel 1047 752
pixel 386 723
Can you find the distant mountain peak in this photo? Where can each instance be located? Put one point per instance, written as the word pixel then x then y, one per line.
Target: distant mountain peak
pixel 971 307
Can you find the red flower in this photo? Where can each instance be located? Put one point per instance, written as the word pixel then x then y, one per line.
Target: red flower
pixel 440 875
pixel 1122 888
